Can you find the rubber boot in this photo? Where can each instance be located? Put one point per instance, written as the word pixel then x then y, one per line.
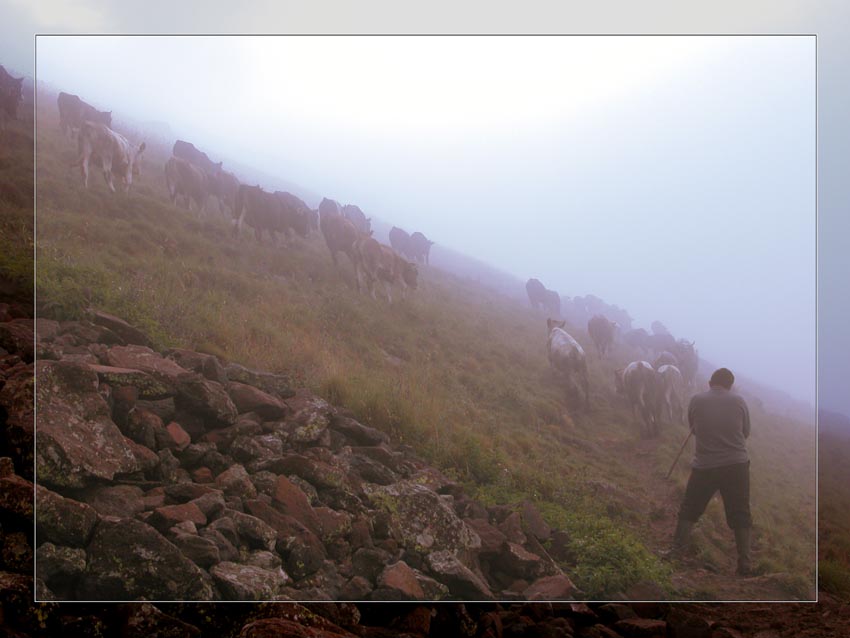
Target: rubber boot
pixel 681 539
pixel 742 542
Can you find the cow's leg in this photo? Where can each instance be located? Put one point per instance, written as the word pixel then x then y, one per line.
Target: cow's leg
pixel 107 173
pixel 84 169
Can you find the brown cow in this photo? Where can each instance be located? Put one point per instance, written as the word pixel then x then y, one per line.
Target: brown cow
pixel 187 181
pixel 379 263
pixel 340 235
pixel 73 112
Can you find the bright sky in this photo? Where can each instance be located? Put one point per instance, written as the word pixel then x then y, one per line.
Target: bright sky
pixel 673 176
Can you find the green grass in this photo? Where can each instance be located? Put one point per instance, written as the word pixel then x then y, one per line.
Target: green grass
pixel 473 392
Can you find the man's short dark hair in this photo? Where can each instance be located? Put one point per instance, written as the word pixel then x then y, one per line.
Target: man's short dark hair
pixel 722 377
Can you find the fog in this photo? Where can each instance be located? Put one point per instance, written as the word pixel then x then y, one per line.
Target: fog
pixel 672 176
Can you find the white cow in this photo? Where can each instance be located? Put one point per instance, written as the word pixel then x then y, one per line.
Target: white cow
pixel 111 151
pixel 672 392
pixel 567 357
pixel 642 386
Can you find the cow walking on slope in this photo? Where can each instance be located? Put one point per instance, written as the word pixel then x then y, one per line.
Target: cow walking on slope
pixel 601 330
pixel 420 248
pixel 340 233
pixel 111 151
pixel 643 388
pixel 672 393
pixel 400 242
pixel 377 263
pixel 186 182
pixel 11 94
pixel 73 112
pixel 358 218
pixel 567 358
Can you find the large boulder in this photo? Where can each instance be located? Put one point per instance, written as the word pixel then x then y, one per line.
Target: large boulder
pixel 205 364
pixel 462 582
pixel 205 398
pixel 77 442
pixel 123 501
pixel 357 432
pixel 250 399
pixel 128 333
pixel 247 582
pixel 16 398
pixel 277 384
pixel 142 358
pixel 402 579
pixel 17 336
pixel 558 587
pixel 425 522
pixel 61 520
pixel 290 499
pixel 130 560
pixel 60 567
pixel 148 386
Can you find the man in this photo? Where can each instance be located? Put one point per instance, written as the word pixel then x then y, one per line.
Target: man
pixel 720 421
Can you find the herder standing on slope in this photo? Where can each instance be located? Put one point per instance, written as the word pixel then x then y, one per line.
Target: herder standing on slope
pixel 720 421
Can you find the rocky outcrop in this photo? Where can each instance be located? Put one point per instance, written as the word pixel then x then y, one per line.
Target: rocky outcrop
pixel 177 476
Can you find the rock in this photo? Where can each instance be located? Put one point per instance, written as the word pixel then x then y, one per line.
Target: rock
pixel 551 588
pixel 646 590
pixel 516 560
pixel 492 540
pixel 460 580
pixel 424 521
pixel 211 504
pixel 123 501
pixel 173 437
pixel 246 582
pixel 60 567
pixel 247 449
pixel 301 549
pixel 16 437
pixel 317 473
pixel 169 468
pixel 16 495
pixel 146 621
pixel 46 329
pixel 280 627
pixel 265 482
pixel 206 398
pixel 202 475
pixel 250 399
pixel 332 524
pixel 275 384
pixel 15 552
pixel 612 612
pixel 369 562
pixel 289 499
pixel 167 516
pixel 130 560
pixel 236 482
pixel 17 336
pixel 253 531
pixel 147 459
pixel 226 550
pixel 511 527
pixel 143 427
pixel 533 523
pixel 371 470
pixel 357 432
pixel 357 588
pixel 641 628
pixel 128 333
pixel 77 442
pixel 264 559
pixel 681 624
pixel 147 386
pixel 201 551
pixel 400 577
pixel 142 358
pixel 185 492
pixel 206 364
pixel 61 520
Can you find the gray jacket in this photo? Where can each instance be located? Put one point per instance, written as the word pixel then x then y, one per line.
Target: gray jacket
pixel 721 423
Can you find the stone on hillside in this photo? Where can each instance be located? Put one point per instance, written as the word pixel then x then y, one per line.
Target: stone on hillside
pixel 289 499
pixel 250 399
pixel 61 520
pixel 207 399
pixel 682 624
pixel 130 560
pixel 533 523
pixel 169 468
pixel 246 582
pixel 123 501
pixel 311 416
pixel 462 582
pixel 143 427
pixel 16 398
pixel 253 531
pixel 147 386
pixel 372 471
pixel 332 524
pixel 128 333
pixel 400 577
pixel 275 384
pixel 60 567
pixel 235 482
pixel 357 432
pixel 167 516
pixel 77 442
pixel 205 364
pixel 185 492
pixel 146 458
pixel 641 628
pixel 248 449
pixel 16 496
pixel 17 336
pixel 201 551
pixel 173 437
pixel 357 588
pixel 227 550
pixel 211 504
pixel 46 329
pixel 424 521
pixel 142 358
pixel 516 560
pixel 317 473
pixel 146 621
pixel 265 482
pixel 263 558
pixel 551 588
pixel 492 540
pixel 511 527
pixel 301 549
pixel 369 562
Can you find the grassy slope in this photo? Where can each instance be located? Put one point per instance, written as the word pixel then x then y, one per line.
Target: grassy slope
pixel 458 371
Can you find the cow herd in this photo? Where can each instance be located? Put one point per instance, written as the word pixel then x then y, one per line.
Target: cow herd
pixel 655 391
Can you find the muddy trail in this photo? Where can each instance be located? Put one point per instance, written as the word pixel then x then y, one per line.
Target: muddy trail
pixel 692 578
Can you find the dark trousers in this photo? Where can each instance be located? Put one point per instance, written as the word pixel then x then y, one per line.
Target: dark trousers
pixel 733 481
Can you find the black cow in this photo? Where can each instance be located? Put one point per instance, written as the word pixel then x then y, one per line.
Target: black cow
pixel 73 112
pixel 400 241
pixel 536 292
pixel 295 215
pixel 358 218
pixel 11 94
pixel 420 247
pixel 188 152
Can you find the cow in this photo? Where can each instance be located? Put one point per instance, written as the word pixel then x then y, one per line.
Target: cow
pixel 642 385
pixel 187 151
pixel 661 341
pixel 672 393
pixel 11 94
pixel 601 330
pixel 552 303
pixel 536 292
pixel 567 358
pixel 665 358
pixel 619 382
pixel 420 247
pixel 358 218
pixel 73 112
pixel 688 360
pixel 379 263
pixel 294 215
pixel 400 241
pixel 340 234
pixel 111 151
pixel 225 187
pixel 260 210
pixel 185 180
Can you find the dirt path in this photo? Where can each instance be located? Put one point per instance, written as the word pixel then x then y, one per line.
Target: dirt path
pixel 692 579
